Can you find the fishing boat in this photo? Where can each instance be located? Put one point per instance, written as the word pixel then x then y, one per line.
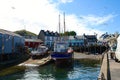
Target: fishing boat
pixel 39 52
pixel 62 54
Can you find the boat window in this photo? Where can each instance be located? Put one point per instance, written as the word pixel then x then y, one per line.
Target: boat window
pixel 61 48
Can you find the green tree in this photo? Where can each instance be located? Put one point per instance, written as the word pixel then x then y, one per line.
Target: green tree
pixel 68 33
pixel 72 33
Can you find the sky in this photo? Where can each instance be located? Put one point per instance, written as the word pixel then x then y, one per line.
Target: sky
pixel 82 16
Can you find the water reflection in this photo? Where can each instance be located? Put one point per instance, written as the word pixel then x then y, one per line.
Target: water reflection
pixel 31 73
pixel 78 71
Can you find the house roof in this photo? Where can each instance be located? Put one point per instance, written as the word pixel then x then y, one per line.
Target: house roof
pixel 76 37
pixel 48 33
pixel 90 36
pixel 104 36
pixel 33 40
pixel 80 37
pixel 9 33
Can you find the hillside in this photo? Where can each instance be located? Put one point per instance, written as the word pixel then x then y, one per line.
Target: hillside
pixel 25 33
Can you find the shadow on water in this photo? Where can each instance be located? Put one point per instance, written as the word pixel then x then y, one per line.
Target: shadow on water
pixel 79 70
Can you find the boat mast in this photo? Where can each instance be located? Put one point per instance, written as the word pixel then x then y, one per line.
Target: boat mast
pixel 65 35
pixel 59 29
pixel 64 22
pixel 59 23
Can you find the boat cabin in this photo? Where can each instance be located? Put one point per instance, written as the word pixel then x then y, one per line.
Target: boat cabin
pixel 60 47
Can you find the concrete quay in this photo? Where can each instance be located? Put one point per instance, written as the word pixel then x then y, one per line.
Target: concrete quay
pixel 104 71
pixel 78 55
pixel 110 70
pixel 114 69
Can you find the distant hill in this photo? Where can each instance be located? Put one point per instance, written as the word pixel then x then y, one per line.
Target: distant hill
pixel 25 33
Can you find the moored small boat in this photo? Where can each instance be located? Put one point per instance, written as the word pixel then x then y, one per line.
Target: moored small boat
pixel 39 52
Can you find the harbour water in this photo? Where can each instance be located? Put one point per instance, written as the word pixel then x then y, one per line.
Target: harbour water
pixel 80 70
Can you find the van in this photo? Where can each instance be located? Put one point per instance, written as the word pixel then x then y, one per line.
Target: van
pixel 117 52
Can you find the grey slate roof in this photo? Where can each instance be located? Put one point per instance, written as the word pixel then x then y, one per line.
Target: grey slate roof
pixel 90 37
pixel 2 31
pixel 33 40
pixel 48 33
pixel 80 37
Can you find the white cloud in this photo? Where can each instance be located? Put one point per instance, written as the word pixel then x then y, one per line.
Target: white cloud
pixel 15 14
pixel 80 26
pixel 96 20
pixel 34 15
pixel 66 1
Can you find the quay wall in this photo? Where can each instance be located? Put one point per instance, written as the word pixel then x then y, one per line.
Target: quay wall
pixel 104 71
